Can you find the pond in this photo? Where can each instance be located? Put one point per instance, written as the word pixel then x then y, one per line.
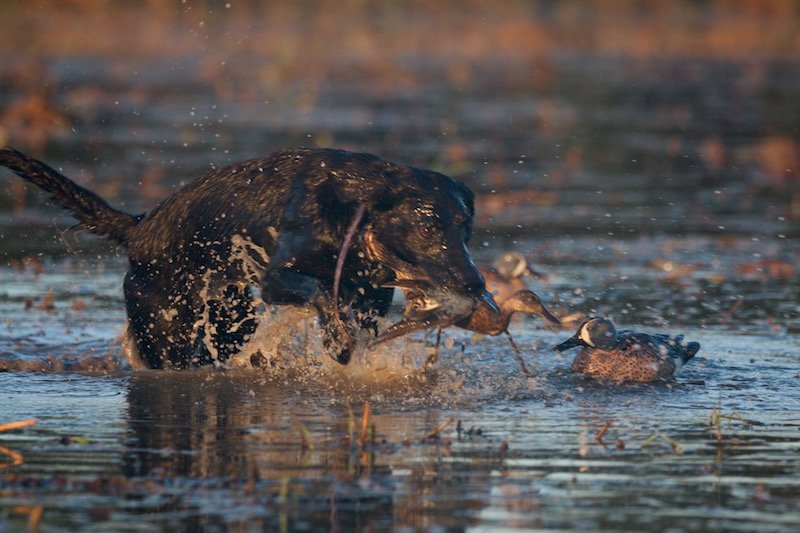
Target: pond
pixel 645 190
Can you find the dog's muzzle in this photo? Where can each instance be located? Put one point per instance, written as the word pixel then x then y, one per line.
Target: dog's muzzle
pixel 433 308
pixel 429 305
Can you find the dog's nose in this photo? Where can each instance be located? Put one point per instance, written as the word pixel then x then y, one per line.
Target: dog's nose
pixel 487 299
pixel 479 293
pixel 475 288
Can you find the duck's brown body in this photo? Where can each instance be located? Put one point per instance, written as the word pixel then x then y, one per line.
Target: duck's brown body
pixel 499 287
pixel 486 321
pixel 631 361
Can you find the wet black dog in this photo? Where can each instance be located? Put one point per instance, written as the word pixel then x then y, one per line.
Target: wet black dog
pixel 279 223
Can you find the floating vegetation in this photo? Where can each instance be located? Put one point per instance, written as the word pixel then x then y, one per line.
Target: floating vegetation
pixel 434 435
pixel 306 441
pixel 598 437
pixel 33 512
pixel 717 417
pixel 16 457
pixel 11 426
pixel 677 447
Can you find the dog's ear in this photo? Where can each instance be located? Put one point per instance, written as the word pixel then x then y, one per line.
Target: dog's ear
pixel 467 196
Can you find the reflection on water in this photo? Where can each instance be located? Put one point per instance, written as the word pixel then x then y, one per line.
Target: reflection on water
pixel 228 448
pixel 236 434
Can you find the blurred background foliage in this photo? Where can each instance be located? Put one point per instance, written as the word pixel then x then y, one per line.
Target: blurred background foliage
pixel 565 116
pixel 324 30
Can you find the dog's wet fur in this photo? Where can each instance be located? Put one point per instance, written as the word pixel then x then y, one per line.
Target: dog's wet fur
pixel 189 290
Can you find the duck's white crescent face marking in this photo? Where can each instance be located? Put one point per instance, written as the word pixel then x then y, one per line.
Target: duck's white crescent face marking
pixel 519 266
pixel 585 337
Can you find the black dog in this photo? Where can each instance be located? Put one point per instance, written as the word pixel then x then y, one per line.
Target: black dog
pixel 280 222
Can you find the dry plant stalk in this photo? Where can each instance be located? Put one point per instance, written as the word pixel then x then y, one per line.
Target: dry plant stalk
pixel 16 457
pixel 598 437
pixel 34 513
pixel 729 313
pixel 35 516
pixel 364 424
pixel 677 447
pixel 351 424
pixel 17 425
pixel 435 433
pixel 716 418
pixel 306 442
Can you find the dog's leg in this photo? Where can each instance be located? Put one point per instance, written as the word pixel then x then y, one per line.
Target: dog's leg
pixel 279 281
pixel 338 335
pixel 338 328
pixel 162 324
pixel 370 303
pixel 234 320
pixel 289 287
pixel 293 288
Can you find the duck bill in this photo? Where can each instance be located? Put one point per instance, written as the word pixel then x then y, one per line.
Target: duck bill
pixel 405 284
pixel 572 342
pixel 543 312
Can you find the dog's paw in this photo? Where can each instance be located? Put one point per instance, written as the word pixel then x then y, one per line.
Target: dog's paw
pixel 339 340
pixel 343 357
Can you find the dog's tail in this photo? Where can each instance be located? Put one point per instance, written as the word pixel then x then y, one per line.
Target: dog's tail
pixel 91 210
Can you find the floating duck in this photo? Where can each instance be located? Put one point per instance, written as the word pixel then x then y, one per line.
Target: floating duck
pixel 504 276
pixel 627 355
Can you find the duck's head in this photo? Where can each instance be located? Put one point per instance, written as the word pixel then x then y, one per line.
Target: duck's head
pixel 511 265
pixel 595 333
pixel 526 301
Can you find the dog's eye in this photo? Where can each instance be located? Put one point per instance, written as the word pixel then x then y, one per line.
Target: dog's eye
pixel 426 231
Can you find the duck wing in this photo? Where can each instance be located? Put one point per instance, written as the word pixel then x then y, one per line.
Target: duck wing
pixel 662 345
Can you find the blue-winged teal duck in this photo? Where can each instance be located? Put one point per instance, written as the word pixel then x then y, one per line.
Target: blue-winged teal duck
pixel 484 320
pixel 505 276
pixel 627 355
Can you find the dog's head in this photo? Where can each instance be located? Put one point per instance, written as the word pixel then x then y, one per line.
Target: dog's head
pixel 418 225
